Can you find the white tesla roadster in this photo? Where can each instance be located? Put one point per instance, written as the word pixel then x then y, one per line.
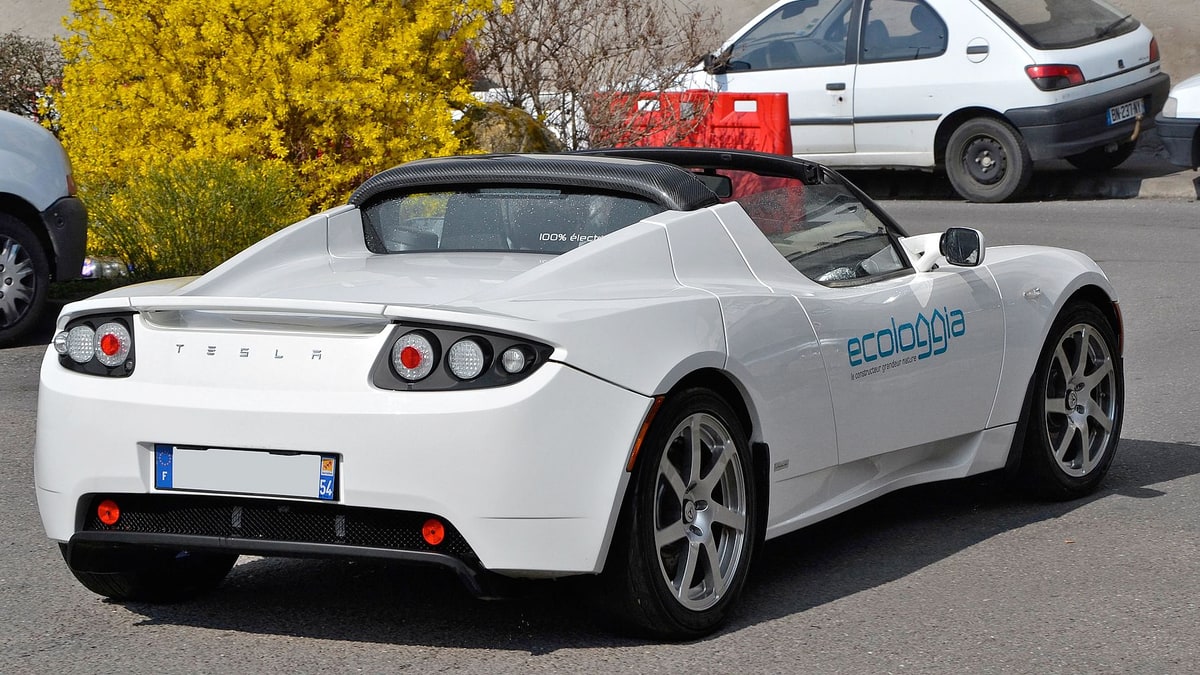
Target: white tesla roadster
pixel 634 364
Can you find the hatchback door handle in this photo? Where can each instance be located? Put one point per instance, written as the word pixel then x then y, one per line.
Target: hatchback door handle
pixel 836 86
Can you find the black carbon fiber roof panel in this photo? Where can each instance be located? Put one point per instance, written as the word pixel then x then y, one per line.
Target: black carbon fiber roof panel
pixel 669 186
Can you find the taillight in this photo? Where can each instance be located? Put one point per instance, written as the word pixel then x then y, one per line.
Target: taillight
pixel 1055 76
pixel 417 359
pixel 101 345
pixel 1154 55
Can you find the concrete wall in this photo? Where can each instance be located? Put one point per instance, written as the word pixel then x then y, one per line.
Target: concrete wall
pixel 1176 23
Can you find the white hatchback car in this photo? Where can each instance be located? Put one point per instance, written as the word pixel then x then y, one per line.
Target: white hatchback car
pixel 982 88
pixel 1179 123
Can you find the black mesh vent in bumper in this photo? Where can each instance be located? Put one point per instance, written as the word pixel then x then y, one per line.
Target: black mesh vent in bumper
pixel 273 521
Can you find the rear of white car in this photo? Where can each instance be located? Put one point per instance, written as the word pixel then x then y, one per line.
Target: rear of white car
pixel 982 88
pixel 1179 123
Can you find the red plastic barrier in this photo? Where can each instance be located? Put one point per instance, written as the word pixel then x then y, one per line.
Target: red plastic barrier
pixel 700 118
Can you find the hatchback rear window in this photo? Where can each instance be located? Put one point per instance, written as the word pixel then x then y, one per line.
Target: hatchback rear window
pixel 1062 24
pixel 499 219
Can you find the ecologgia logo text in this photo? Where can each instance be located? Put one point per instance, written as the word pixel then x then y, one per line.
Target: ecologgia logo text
pixel 926 336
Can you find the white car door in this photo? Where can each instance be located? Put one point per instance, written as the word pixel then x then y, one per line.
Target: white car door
pixel 800 48
pixel 903 78
pixel 912 358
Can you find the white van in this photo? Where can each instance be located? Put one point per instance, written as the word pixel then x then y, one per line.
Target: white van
pixel 981 88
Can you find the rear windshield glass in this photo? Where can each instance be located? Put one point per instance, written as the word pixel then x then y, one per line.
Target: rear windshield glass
pixel 499 219
pixel 1061 24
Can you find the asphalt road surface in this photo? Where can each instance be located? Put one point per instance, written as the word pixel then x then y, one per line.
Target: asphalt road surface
pixel 960 577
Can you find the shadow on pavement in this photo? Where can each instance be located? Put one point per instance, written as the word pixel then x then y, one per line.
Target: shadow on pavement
pixel 872 545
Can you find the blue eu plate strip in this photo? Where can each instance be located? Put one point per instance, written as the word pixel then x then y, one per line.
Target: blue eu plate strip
pixel 162 466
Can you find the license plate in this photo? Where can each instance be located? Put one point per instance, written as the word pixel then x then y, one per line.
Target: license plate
pixel 249 472
pixel 1126 111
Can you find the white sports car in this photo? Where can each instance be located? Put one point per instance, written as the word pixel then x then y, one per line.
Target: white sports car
pixel 635 364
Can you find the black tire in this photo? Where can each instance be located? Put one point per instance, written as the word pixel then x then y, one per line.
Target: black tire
pixel 679 560
pixel 987 160
pixel 1099 159
pixel 156 575
pixel 24 278
pixel 1075 407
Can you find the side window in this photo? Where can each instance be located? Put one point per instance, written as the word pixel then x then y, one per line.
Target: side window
pixel 800 34
pixel 824 231
pixel 902 30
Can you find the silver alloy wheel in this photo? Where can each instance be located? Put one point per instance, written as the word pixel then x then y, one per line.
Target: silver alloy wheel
pixel 16 281
pixel 1081 400
pixel 700 510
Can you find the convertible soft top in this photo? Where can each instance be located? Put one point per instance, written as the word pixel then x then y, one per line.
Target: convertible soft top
pixel 671 187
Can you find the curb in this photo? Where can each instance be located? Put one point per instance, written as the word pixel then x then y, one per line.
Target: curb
pixel 1146 175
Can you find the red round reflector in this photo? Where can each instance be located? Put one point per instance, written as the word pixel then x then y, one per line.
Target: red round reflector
pixel 110 344
pixel 410 357
pixel 108 512
pixel 433 531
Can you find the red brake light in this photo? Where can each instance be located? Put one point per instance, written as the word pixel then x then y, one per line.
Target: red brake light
pixel 410 357
pixel 110 344
pixel 1154 55
pixel 108 512
pixel 433 531
pixel 1055 76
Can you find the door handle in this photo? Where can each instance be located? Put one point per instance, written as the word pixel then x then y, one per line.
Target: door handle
pixel 835 86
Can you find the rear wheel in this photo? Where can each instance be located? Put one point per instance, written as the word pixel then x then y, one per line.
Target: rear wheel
pixel 24 278
pixel 688 533
pixel 1076 407
pixel 1102 159
pixel 155 575
pixel 987 160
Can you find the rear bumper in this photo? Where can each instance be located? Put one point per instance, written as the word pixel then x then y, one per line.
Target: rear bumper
pixel 1181 138
pixel 530 475
pixel 66 223
pixel 1064 129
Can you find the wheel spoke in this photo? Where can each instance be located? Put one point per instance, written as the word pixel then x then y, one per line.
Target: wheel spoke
pixel 1097 412
pixel 670 534
pixel 683 580
pixel 1064 445
pixel 715 578
pixel 726 517
pixel 1105 370
pixel 696 439
pixel 670 473
pixel 1081 354
pixel 721 458
pixel 1056 405
pixel 1063 364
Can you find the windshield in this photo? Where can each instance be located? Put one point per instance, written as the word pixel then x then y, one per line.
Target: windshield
pixel 1061 24
pixel 537 220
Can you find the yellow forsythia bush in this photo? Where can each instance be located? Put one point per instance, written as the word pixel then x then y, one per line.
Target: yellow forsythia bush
pixel 186 216
pixel 335 90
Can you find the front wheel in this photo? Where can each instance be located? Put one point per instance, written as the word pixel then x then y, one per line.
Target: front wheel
pixel 24 278
pixel 1076 407
pixel 155 575
pixel 688 532
pixel 987 160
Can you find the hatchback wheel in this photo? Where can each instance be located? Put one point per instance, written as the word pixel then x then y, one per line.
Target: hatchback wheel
pixel 987 160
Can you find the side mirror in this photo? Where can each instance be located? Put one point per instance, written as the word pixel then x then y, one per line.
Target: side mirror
pixel 962 246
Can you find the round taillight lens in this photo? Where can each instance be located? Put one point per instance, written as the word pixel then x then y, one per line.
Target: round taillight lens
pixel 61 342
pixel 433 531
pixel 514 360
pixel 413 356
pixel 108 512
pixel 81 344
pixel 112 344
pixel 466 359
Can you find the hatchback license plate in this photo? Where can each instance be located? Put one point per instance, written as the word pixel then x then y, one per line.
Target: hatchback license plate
pixel 251 472
pixel 1126 111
